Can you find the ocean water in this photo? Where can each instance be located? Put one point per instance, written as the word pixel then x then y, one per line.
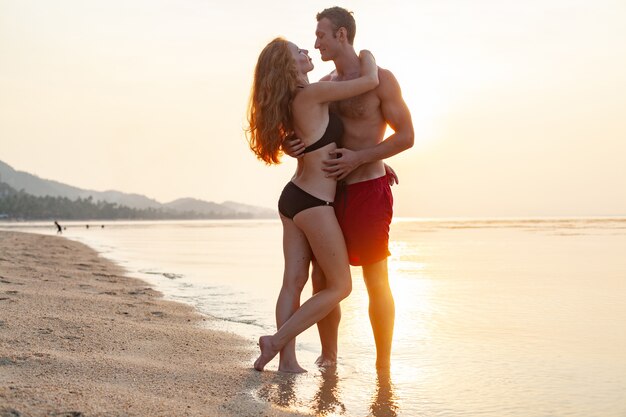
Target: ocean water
pixel 497 318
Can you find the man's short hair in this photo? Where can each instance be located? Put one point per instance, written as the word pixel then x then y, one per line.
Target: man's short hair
pixel 340 18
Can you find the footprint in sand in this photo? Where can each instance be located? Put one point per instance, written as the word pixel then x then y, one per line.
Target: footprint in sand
pixel 5 361
pixel 3 280
pixel 141 291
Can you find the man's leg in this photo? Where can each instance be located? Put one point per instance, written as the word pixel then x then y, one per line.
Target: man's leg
pixel 328 327
pixel 382 310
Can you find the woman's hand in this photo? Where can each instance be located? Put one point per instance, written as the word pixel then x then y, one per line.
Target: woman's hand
pixel 369 68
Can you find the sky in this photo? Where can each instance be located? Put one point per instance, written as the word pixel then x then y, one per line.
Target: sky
pixel 519 107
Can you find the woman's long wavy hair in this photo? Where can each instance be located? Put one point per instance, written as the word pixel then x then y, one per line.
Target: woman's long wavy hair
pixel 269 111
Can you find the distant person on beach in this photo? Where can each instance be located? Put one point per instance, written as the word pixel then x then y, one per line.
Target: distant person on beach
pixel 283 103
pixel 364 201
pixel 59 230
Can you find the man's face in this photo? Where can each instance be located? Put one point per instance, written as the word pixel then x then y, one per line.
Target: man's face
pixel 325 40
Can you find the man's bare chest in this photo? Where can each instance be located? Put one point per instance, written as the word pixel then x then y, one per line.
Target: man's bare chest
pixel 364 106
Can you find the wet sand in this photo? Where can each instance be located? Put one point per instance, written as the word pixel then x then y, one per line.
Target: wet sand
pixel 78 338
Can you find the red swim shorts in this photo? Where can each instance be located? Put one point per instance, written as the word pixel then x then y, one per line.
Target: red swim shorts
pixel 364 210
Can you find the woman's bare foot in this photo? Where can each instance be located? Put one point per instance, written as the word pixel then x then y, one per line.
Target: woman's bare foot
pixel 267 352
pixel 290 365
pixel 326 362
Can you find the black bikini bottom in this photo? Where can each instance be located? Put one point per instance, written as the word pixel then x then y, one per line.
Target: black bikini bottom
pixel 294 199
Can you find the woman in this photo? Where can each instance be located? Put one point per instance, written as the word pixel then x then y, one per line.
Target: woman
pixel 283 103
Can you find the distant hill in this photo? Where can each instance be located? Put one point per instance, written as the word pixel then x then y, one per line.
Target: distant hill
pixel 19 205
pixel 199 206
pixel 39 187
pixel 246 208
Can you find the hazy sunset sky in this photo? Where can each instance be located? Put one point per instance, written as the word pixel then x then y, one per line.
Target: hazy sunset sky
pixel 519 107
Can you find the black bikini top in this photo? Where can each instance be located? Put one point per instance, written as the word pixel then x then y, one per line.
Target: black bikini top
pixel 333 133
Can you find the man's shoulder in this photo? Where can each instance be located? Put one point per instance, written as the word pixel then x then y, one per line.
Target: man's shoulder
pixel 387 83
pixel 385 77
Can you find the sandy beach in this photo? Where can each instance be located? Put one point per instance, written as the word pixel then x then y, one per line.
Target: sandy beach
pixel 79 338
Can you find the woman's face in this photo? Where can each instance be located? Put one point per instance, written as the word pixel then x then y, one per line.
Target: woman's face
pixel 304 64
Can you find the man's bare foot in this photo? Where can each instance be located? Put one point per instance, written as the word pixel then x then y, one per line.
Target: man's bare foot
pixel 267 352
pixel 326 362
pixel 292 367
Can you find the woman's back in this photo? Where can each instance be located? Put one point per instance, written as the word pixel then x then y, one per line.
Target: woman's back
pixel 313 123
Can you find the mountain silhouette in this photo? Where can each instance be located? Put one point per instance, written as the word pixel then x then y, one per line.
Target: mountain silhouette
pixel 32 184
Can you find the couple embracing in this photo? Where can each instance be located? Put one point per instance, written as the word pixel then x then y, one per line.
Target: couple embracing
pixel 337 208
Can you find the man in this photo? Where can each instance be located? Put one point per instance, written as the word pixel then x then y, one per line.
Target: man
pixel 364 204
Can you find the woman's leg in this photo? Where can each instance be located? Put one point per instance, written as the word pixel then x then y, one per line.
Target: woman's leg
pixel 297 259
pixel 328 327
pixel 322 231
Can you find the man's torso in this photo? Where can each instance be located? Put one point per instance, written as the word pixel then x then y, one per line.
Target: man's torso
pixel 364 127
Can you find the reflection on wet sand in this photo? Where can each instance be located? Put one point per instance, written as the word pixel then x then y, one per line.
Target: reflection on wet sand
pixel 282 390
pixel 326 400
pixel 384 403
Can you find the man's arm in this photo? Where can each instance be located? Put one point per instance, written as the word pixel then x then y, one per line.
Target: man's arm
pixel 397 116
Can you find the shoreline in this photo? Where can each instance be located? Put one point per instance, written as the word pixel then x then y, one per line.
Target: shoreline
pixel 79 336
